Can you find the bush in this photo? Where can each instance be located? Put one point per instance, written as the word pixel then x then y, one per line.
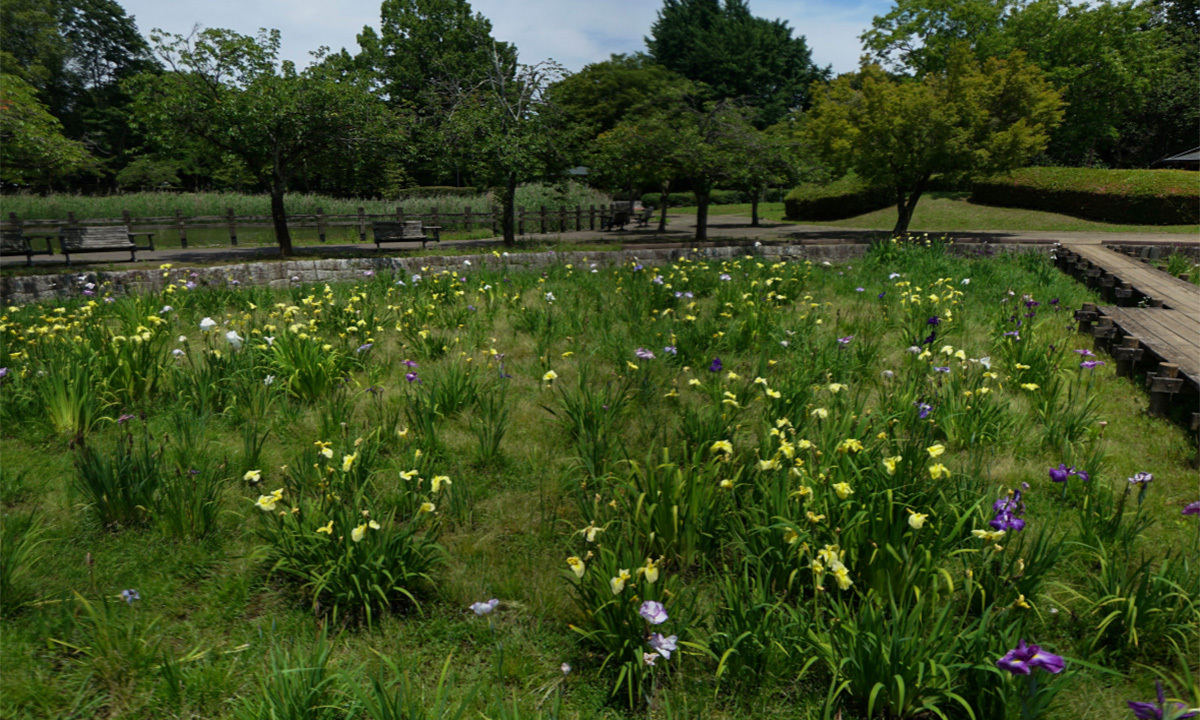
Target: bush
pixel 429 191
pixel 673 199
pixel 843 198
pixel 1143 197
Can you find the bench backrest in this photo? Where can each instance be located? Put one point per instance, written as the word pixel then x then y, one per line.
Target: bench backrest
pixel 88 238
pixel 12 240
pixel 406 230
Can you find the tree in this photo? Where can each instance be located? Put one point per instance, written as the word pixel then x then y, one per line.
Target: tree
pixel 603 94
pixel 767 158
pixel 225 91
pixel 33 150
pixel 1108 58
pixel 76 54
pixel 639 152
pixel 427 54
pixel 752 60
pixel 964 120
pixel 509 129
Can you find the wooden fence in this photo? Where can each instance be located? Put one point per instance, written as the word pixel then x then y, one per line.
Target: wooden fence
pixel 542 220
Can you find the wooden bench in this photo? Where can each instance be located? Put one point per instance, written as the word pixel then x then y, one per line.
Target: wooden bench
pixel 13 241
pixel 643 218
pixel 100 239
pixel 408 230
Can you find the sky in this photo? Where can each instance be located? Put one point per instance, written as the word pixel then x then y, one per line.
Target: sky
pixel 572 32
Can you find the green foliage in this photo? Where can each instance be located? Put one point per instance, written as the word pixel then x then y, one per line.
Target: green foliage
pixel 119 489
pixel 435 191
pixel 846 197
pixel 969 118
pixel 602 95
pixel 148 173
pixel 229 95
pixel 1109 60
pixel 1144 197
pixel 735 54
pixel 33 150
pixel 20 536
pixel 298 686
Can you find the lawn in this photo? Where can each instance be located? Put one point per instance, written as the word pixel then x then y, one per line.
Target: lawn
pixel 951 212
pixel 717 488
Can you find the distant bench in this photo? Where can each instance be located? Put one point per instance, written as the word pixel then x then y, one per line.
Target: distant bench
pixel 407 230
pixel 72 240
pixel 14 241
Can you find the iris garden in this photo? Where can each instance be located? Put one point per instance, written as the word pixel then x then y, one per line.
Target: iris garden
pixel 898 487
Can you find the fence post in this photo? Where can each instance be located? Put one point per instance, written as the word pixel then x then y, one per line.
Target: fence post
pixel 231 220
pixel 467 218
pixel 399 214
pixel 591 217
pixel 542 218
pixel 362 225
pixel 181 227
pixel 578 218
pixel 495 220
pixel 1163 386
pixel 321 224
pixel 433 216
pixel 562 218
pixel 71 221
pixel 128 220
pixel 520 219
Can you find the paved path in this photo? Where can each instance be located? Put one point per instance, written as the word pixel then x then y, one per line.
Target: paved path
pixel 680 232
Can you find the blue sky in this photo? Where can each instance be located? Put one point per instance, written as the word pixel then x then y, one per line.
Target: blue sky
pixel 573 32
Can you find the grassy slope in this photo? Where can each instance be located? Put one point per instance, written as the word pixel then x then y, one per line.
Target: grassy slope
pixel 950 212
pixel 215 596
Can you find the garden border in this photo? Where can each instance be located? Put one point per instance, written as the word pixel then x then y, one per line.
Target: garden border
pixel 36 288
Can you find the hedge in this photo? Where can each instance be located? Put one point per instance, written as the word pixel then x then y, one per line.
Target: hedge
pixel 843 198
pixel 1134 197
pixel 716 197
pixel 436 191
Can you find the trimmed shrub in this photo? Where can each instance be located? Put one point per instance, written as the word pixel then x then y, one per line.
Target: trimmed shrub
pixel 843 198
pixel 673 199
pixel 1136 197
pixel 436 191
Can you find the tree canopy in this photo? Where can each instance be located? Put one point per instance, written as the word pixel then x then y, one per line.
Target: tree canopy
pixel 971 117
pixel 227 92
pixel 1107 58
pixel 752 60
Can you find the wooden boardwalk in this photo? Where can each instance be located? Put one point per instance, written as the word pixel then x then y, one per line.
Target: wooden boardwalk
pixel 1153 322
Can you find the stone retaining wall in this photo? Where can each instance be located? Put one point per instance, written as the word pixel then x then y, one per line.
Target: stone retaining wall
pixel 34 288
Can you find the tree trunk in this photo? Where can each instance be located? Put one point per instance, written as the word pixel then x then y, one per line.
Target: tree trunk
pixel 279 218
pixel 662 202
pixel 508 220
pixel 754 195
pixel 702 213
pixel 905 206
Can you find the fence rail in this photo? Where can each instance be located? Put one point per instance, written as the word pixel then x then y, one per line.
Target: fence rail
pixel 540 220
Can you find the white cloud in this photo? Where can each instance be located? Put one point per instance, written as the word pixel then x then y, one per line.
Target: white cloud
pixel 573 32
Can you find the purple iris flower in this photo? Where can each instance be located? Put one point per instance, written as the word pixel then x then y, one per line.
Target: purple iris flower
pixel 663 645
pixel 637 267
pixel 929 340
pixel 670 350
pixel 923 410
pixel 653 612
pixel 1142 478
pixel 1022 660
pixel 1192 509
pixel 935 320
pixel 1083 475
pixel 483 608
pixel 130 595
pixel 843 341
pixel 1159 710
pixel 1060 473
pixel 881 295
pixel 942 369
pixel 364 347
pixel 410 363
pixel 1008 511
pixel 1091 364
pixel 411 377
pixel 860 289
pixel 725 277
pixel 1086 353
pixel 716 365
pixel 644 354
pixel 1032 303
pixel 1013 334
pixel 3 373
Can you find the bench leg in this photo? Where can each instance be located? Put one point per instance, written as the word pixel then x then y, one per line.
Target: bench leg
pixel 67 255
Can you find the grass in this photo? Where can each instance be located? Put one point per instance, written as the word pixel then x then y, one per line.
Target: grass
pixel 951 212
pixel 221 615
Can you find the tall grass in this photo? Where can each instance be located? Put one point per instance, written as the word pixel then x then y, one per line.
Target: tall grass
pixel 29 206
